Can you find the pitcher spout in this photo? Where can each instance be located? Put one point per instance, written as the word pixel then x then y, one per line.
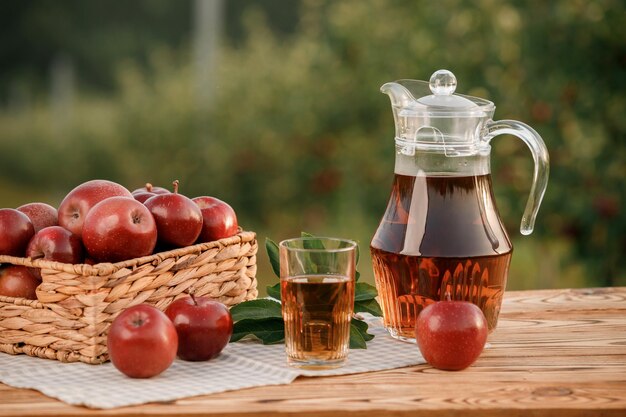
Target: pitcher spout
pixel 399 95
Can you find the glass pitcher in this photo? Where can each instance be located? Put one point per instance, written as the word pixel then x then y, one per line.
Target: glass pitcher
pixel 441 232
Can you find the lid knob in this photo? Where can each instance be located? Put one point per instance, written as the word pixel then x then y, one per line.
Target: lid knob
pixel 442 83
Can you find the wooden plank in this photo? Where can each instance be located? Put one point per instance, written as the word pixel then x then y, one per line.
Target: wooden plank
pixel 554 353
pixel 582 299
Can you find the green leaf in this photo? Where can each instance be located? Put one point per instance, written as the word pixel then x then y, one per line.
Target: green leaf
pixel 256 309
pixel 356 338
pixel 274 255
pixel 312 260
pixel 364 291
pixel 362 327
pixel 357 275
pixel 274 291
pixel 313 242
pixel 270 331
pixel 368 306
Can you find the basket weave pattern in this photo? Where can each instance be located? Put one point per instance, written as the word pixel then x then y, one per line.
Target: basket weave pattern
pixel 77 303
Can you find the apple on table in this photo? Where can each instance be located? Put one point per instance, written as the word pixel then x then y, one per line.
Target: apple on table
pixel 204 327
pixel 142 341
pixel 451 334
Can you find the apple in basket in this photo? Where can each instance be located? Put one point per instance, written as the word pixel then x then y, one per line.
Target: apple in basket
pixel 204 327
pixel 219 219
pixel 451 334
pixel 144 193
pixel 119 228
pixel 142 341
pixel 55 243
pixel 178 219
pixel 40 214
pixel 17 281
pixel 16 230
pixel 149 188
pixel 143 196
pixel 78 202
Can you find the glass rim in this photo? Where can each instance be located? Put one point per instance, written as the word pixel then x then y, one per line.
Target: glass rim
pixel 351 244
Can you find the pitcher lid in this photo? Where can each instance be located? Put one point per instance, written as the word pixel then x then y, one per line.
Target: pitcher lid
pixel 442 84
pixel 431 116
pixel 435 98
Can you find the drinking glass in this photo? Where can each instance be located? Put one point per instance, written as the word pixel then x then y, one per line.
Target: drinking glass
pixel 317 291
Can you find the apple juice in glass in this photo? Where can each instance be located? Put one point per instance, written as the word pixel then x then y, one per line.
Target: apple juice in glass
pixel 441 232
pixel 317 292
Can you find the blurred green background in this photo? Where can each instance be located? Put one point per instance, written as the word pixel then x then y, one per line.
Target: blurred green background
pixel 274 107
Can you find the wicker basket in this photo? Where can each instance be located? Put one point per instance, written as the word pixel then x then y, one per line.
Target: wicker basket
pixel 77 303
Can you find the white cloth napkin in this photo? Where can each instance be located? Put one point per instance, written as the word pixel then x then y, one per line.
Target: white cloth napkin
pixel 240 365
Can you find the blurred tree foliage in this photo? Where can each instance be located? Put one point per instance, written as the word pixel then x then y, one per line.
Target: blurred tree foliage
pixel 298 137
pixel 97 35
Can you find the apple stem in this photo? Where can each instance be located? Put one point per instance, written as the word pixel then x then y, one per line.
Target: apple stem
pixel 148 187
pixel 193 299
pixel 175 186
pixel 447 296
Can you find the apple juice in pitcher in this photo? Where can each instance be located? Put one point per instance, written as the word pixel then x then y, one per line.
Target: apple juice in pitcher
pixel 449 240
pixel 441 232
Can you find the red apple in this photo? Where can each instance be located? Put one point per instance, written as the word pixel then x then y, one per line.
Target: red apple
pixel 80 200
pixel 142 342
pixel 40 214
pixel 16 230
pixel 149 188
pixel 119 228
pixel 142 196
pixel 204 327
pixel 178 219
pixel 55 243
pixel 219 219
pixel 17 281
pixel 451 334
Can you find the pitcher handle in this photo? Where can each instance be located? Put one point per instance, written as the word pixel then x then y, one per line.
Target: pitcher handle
pixel 542 164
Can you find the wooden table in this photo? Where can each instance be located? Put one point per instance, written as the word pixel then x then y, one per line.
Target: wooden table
pixel 554 353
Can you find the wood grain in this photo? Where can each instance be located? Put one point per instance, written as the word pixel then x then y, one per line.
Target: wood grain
pixel 554 353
